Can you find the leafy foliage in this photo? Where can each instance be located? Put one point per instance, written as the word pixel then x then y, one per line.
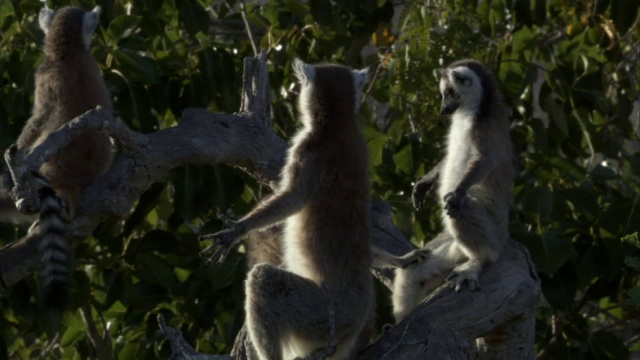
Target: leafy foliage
pixel 569 74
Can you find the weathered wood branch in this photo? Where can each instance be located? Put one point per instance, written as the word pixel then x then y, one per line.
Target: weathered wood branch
pixel 493 323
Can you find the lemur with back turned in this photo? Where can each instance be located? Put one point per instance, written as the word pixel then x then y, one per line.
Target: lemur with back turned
pixel 474 185
pixel 67 84
pixel 324 200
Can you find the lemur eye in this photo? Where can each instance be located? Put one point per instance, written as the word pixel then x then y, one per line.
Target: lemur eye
pixel 461 79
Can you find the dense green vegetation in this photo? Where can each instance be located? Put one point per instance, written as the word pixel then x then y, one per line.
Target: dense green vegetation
pixel 569 71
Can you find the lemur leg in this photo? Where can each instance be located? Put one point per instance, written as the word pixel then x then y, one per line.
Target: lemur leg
pixel 282 304
pixel 478 237
pixel 413 284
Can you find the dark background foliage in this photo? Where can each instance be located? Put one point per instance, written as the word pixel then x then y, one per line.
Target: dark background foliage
pixel 570 74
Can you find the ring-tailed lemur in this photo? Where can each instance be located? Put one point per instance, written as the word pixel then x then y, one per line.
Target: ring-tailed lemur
pixel 475 180
pixel 324 199
pixel 68 83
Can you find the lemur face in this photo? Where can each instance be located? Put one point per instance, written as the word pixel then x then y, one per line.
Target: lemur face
pixel 460 88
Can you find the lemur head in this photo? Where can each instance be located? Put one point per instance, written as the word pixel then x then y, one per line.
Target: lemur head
pixel 68 28
pixel 328 90
pixel 465 85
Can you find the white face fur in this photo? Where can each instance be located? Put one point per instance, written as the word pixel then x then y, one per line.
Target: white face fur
pixel 89 22
pixel 461 90
pixel 306 75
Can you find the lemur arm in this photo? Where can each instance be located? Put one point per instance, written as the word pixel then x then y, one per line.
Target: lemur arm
pixel 478 169
pixel 424 186
pixel 284 203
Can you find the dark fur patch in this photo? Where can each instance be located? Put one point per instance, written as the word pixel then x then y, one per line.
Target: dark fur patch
pixel 490 89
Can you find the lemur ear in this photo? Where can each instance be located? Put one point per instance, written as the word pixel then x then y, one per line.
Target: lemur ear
pixel 438 73
pixel 44 18
pixel 89 24
pixel 305 73
pixel 360 77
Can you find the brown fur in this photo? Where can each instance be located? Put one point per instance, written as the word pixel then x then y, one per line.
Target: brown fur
pixel 324 198
pixel 68 83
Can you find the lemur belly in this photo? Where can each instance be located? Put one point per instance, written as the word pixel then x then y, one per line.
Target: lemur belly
pixel 458 153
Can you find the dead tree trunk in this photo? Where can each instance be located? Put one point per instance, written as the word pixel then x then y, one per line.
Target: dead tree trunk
pixel 496 322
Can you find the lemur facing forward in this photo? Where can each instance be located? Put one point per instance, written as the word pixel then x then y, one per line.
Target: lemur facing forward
pixel 67 84
pixel 324 199
pixel 475 179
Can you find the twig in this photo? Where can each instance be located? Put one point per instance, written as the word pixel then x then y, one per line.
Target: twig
pixel 243 13
pixel 181 350
pixel 102 344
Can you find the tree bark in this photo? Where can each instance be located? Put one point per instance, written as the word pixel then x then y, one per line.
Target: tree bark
pixel 496 322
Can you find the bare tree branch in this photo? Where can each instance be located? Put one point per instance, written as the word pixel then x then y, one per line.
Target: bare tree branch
pixel 102 344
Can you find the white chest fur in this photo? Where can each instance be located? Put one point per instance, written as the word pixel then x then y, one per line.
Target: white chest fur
pixel 459 150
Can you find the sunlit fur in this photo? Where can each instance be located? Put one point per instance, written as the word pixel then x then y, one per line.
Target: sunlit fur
pixel 324 200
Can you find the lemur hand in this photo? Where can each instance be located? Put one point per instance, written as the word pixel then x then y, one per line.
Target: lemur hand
pixel 454 202
pixel 224 241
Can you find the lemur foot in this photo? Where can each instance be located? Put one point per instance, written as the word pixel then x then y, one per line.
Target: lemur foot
pixel 463 274
pixel 414 258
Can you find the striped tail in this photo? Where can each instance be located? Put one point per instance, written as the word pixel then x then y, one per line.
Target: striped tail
pixel 53 248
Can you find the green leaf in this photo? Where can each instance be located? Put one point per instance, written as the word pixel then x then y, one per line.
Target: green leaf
pixel 539 203
pixel 156 270
pixel 522 39
pixel 548 252
pixel 376 142
pixel 603 173
pixel 557 115
pixel 122 27
pixel 634 296
pixel 633 262
pixel 135 67
pixel 130 351
pixel 321 11
pixel 7 13
pixel 560 289
pixel 404 160
pixel 193 16
pixel 568 167
pixel 606 345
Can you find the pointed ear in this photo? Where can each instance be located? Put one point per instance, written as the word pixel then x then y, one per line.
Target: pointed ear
pixel 360 77
pixel 44 18
pixel 89 23
pixel 305 73
pixel 438 73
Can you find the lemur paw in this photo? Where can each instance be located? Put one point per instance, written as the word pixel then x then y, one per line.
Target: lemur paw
pixel 414 258
pixel 454 202
pixel 461 276
pixel 224 241
pixel 420 191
